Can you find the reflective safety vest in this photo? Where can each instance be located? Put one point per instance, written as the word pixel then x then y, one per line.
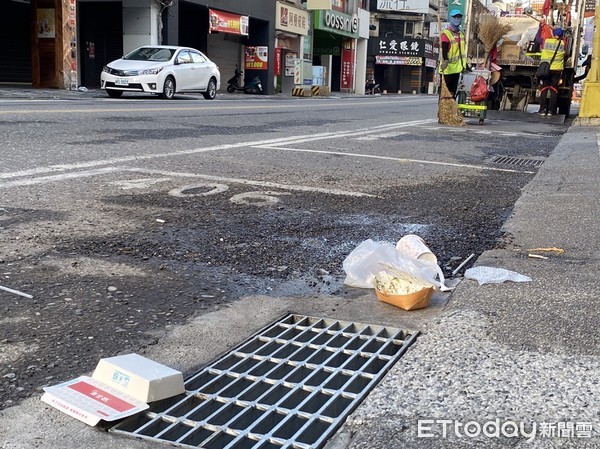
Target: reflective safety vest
pixel 457 59
pixel 550 45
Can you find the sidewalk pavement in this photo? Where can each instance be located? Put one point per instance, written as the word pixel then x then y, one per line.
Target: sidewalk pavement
pixel 518 362
pixel 26 92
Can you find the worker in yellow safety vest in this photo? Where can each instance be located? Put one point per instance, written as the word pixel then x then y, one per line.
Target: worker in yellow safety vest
pixel 454 59
pixel 553 53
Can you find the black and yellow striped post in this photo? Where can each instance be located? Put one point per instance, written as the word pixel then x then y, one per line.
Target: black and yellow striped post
pixel 301 92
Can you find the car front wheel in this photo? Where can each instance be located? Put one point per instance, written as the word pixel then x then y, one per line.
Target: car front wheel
pixel 168 88
pixel 114 93
pixel 211 90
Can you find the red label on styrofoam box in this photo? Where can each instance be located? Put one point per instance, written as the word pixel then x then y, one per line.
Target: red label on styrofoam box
pixel 90 401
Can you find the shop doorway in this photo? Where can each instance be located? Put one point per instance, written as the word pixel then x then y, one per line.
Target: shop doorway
pixel 100 38
pixel 15 41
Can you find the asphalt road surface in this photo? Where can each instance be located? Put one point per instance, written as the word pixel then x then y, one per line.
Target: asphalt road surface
pixel 122 218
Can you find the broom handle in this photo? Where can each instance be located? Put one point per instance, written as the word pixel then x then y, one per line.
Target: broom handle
pixel 534 18
pixel 439 21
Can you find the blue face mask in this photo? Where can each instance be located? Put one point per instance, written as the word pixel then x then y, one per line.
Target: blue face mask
pixel 455 21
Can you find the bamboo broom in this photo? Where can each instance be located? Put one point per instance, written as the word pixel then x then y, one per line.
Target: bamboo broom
pixel 448 113
pixel 490 30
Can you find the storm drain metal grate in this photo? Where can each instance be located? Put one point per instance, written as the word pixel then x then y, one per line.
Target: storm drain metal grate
pixel 517 161
pixel 292 385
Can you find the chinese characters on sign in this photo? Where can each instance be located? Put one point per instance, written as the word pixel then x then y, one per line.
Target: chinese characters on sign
pixel 590 8
pixel 347 75
pixel 291 19
pixel 227 23
pixel 401 51
pixel 416 6
pixel 396 47
pixel 256 58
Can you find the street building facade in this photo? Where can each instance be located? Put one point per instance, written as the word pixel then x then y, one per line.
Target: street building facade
pixel 292 43
pixel 286 43
pixel 340 40
pixel 404 44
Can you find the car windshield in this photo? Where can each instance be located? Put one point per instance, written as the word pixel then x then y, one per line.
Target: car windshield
pixel 150 54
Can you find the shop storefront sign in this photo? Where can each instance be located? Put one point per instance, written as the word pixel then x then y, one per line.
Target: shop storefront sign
pixel 290 19
pixel 227 23
pixel 337 22
pixel 416 6
pixel 347 75
pixel 401 47
pixel 256 58
pixel 398 60
pixel 277 62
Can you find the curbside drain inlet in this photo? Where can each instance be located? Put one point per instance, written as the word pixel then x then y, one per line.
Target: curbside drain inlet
pixel 291 385
pixel 523 161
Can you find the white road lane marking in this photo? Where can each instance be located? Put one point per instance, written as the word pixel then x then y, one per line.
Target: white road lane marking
pixel 360 132
pixel 268 184
pixel 222 179
pixel 382 136
pixel 56 178
pixel 134 158
pixel 396 159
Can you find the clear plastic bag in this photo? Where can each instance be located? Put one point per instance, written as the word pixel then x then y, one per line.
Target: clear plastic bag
pixel 370 257
pixel 493 275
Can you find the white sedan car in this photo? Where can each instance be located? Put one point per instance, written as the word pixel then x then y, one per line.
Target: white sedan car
pixel 162 69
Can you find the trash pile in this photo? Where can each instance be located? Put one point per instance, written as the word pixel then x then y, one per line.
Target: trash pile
pixel 403 275
pixel 406 275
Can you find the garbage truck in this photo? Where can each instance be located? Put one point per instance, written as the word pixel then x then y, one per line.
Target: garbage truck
pixel 518 56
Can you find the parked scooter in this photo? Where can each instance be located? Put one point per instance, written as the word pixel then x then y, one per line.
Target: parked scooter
pixel 372 88
pixel 254 86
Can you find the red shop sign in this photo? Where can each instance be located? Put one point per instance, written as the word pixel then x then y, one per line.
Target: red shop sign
pixel 347 75
pixel 256 58
pixel 227 23
pixel 277 62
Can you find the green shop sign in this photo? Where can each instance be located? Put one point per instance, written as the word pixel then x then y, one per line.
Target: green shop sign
pixel 337 22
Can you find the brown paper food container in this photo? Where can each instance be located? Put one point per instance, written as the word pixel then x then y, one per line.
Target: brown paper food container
pixel 412 301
